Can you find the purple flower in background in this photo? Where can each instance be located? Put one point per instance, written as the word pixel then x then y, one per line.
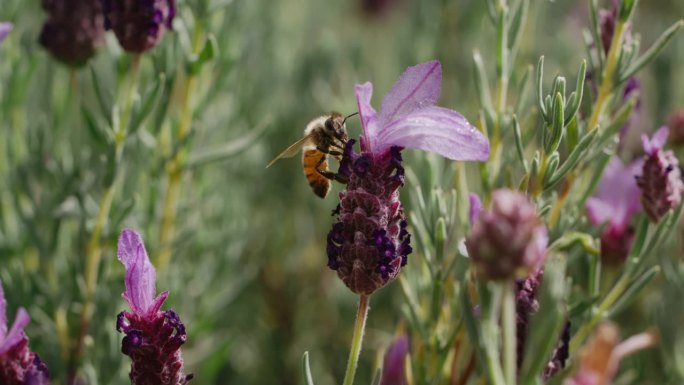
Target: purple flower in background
pixel 5 29
pixel 615 202
pixel 139 24
pixel 509 240
pixel 18 365
pixel 153 337
pixel 73 31
pixel 475 207
pixel 393 368
pixel 661 180
pixel 370 242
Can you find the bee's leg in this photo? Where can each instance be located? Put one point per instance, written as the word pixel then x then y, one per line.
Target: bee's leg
pixel 329 174
pixel 334 153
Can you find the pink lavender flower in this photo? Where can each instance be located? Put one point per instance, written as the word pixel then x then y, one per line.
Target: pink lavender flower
pixel 139 24
pixel 153 337
pixel 5 29
pixel 508 240
pixel 394 364
pixel 661 180
pixel 615 202
pixel 18 365
pixel 74 30
pixel 370 241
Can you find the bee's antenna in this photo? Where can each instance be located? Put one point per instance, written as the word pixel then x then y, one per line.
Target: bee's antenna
pixel 349 116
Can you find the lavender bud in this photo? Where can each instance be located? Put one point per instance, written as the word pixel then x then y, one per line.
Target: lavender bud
pixel 509 240
pixel 73 31
pixel 369 243
pixel 139 24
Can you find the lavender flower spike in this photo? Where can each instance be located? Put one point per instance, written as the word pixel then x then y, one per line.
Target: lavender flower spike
pixel 139 24
pixel 370 241
pixel 18 365
pixel 5 29
pixel 660 181
pixel 509 240
pixel 394 366
pixel 153 337
pixel 615 202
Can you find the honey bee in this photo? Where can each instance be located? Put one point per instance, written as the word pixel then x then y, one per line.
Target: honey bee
pixel 323 136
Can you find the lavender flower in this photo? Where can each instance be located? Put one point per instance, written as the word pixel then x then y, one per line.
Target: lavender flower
pixel 661 180
pixel 5 29
pixel 370 241
pixel 74 30
pixel 18 365
pixel 509 240
pixel 139 24
pixel 153 337
pixel 393 368
pixel 615 202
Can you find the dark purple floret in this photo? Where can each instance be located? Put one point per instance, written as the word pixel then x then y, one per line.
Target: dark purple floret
pixel 73 31
pixel 370 242
pixel 139 24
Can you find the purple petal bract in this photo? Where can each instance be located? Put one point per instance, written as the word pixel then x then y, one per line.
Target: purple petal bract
pixel 436 129
pixel 419 86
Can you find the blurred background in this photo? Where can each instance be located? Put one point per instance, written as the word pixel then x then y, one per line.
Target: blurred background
pixel 248 273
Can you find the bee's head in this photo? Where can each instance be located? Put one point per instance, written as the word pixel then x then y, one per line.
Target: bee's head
pixel 334 126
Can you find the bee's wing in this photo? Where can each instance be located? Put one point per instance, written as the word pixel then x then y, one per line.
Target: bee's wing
pixel 291 151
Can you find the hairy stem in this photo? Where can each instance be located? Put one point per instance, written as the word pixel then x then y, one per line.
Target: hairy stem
pixel 357 339
pixel 509 333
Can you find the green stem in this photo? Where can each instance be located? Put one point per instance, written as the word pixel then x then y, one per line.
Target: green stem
pixel 509 333
pixel 357 339
pixel 610 299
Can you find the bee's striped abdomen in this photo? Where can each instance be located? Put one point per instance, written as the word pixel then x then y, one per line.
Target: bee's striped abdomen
pixel 319 184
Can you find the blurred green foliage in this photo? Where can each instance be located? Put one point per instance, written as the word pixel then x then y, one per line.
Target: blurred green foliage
pixel 248 274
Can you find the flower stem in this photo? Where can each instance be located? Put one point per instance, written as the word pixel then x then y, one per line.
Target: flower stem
pixel 610 299
pixel 357 339
pixel 93 252
pixel 509 333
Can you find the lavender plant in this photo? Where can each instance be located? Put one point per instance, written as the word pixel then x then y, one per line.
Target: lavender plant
pixel 500 271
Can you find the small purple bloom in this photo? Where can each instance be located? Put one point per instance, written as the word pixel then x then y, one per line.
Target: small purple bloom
pixel 615 202
pixel 509 240
pixel 139 24
pixel 393 368
pixel 370 242
pixel 18 365
pixel 661 180
pixel 153 337
pixel 5 29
